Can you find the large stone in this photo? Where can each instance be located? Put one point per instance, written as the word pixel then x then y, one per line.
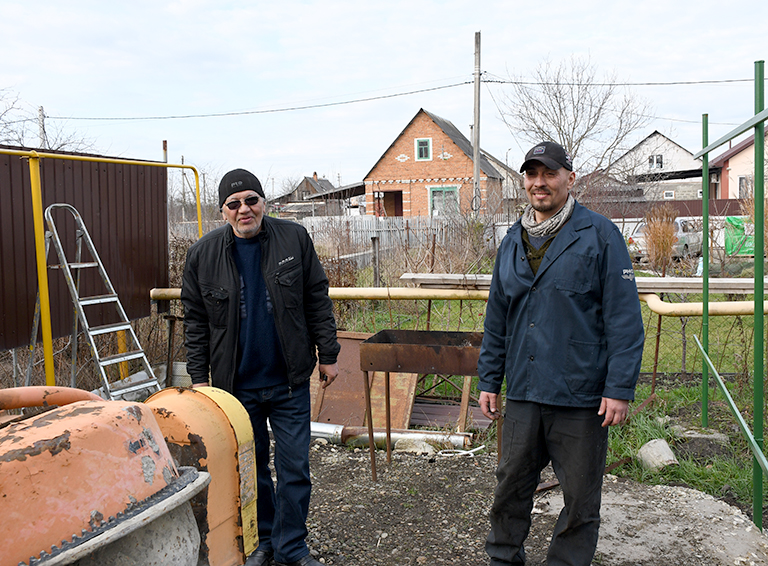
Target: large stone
pixel 656 454
pixel 708 435
pixel 414 446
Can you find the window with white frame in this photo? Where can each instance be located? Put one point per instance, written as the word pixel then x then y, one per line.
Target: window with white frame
pixel 669 195
pixel 744 187
pixel 423 149
pixel 656 162
pixel 444 201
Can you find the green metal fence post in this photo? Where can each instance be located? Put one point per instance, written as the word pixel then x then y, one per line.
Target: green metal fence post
pixel 705 271
pixel 757 472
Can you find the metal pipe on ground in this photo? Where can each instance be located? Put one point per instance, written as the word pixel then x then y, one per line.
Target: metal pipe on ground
pixel 358 436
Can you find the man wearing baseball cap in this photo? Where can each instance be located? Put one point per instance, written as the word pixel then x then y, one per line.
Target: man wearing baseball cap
pixel 563 325
pixel 258 319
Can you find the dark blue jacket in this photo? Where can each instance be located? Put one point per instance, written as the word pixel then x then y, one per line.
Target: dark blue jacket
pixel 573 333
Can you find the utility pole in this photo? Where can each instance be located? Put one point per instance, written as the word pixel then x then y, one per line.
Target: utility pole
pixel 183 193
pixel 41 128
pixel 477 199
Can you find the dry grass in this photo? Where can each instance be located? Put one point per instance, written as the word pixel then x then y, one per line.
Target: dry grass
pixel 660 235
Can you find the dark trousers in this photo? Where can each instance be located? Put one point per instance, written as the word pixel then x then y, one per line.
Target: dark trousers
pixel 576 444
pixel 282 510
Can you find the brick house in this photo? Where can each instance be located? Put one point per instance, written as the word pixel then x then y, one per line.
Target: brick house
pixel 428 171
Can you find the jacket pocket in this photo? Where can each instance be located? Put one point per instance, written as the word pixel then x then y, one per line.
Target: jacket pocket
pixel 216 301
pixel 585 367
pixel 575 272
pixel 291 287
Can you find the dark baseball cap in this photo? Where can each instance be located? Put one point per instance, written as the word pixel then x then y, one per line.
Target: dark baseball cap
pixel 551 154
pixel 236 181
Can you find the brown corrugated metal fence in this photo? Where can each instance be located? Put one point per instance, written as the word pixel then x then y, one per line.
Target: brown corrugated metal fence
pixel 124 207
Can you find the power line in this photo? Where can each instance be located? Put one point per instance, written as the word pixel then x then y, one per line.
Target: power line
pixel 669 83
pixel 387 96
pixel 272 111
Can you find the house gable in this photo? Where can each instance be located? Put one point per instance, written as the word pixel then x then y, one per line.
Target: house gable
pixel 428 165
pixel 661 168
pixel 656 154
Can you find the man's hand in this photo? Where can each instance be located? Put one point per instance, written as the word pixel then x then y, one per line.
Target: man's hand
pixel 615 411
pixel 327 374
pixel 489 403
pixel 196 385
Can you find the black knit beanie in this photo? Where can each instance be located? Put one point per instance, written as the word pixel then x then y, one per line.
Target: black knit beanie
pixel 236 181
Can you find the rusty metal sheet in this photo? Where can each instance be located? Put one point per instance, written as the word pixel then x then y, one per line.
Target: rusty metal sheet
pixel 343 402
pixel 422 351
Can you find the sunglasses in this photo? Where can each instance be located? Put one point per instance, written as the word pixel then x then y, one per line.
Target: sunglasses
pixel 235 204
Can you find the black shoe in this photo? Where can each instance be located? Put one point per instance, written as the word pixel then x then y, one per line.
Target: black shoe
pixel 306 561
pixel 260 558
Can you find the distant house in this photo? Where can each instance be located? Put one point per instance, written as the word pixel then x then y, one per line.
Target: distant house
pixel 512 190
pixel 661 167
pixel 347 200
pixel 732 173
pixel 428 171
pixel 294 204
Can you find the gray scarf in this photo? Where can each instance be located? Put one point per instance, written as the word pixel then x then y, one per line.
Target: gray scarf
pixel 550 225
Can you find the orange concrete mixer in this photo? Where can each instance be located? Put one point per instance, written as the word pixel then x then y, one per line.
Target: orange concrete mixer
pixel 88 481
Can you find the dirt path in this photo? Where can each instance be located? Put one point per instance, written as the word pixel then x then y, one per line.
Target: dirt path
pixel 435 511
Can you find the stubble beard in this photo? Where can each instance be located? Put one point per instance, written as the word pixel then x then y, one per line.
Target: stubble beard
pixel 250 232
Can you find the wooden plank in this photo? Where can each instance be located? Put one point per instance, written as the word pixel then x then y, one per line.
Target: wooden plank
pixel 448 280
pixel 734 285
pixel 465 391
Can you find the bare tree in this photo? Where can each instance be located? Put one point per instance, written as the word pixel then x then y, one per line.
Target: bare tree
pixel 9 120
pixel 287 186
pixel 593 118
pixel 182 199
pixel 26 127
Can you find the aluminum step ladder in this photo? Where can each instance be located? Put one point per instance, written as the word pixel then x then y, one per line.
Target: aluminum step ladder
pixel 71 271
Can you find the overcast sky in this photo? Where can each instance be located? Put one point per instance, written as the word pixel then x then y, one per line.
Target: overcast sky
pixel 141 59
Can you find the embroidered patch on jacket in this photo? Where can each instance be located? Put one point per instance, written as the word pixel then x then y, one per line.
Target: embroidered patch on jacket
pixel 628 274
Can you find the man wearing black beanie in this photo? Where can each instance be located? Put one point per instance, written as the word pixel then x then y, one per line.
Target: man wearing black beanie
pixel 258 317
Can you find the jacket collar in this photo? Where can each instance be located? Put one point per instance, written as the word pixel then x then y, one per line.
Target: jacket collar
pixel 568 234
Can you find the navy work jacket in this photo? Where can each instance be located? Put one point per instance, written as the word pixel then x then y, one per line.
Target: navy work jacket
pixel 571 334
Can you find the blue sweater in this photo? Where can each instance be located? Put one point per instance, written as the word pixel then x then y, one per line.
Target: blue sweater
pixel 259 356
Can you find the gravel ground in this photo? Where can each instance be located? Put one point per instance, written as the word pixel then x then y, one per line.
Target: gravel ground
pixel 434 510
